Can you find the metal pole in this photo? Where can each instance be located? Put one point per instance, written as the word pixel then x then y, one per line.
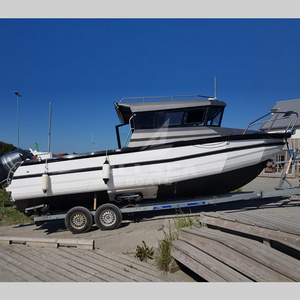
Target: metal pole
pixel 215 88
pixel 18 95
pixel 50 105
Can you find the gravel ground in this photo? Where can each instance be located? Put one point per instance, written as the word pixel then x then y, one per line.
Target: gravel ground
pixel 151 227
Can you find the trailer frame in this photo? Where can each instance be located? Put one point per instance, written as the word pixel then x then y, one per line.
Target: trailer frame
pixel 109 216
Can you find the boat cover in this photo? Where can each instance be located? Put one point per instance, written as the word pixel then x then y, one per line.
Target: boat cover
pixel 285 116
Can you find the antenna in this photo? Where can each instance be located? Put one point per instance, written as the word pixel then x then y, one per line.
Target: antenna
pixel 215 88
pixel 49 133
pixel 93 143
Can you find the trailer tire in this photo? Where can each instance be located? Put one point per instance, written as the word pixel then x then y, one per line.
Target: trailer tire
pixel 108 217
pixel 79 220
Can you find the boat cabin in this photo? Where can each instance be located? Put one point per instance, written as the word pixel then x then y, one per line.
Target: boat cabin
pixel 165 121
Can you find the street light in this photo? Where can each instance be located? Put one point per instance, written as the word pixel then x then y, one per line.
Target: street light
pixel 18 95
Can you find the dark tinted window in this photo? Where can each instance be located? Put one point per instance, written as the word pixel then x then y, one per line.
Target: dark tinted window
pixel 195 116
pixel 144 120
pixel 215 116
pixel 173 118
pixel 168 118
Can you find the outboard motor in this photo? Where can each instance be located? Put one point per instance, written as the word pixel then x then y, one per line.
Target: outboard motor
pixel 9 162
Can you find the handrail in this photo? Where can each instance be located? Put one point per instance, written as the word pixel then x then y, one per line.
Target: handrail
pixel 169 97
pixel 289 127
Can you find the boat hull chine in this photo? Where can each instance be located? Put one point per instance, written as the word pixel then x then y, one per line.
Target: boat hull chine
pixel 211 185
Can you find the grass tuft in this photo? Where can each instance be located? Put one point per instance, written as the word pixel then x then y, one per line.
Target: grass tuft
pixel 9 215
pixel 164 259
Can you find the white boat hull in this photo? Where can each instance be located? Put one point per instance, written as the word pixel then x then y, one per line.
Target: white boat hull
pixel 155 173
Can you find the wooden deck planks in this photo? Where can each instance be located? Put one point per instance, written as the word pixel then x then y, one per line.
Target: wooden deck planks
pixel 208 267
pixel 272 222
pixel 100 265
pixel 56 264
pixel 148 268
pixel 20 263
pixel 241 225
pixel 119 266
pixel 255 260
pixel 236 260
pixel 266 256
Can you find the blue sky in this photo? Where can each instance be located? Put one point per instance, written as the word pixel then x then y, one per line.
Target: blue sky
pixel 83 65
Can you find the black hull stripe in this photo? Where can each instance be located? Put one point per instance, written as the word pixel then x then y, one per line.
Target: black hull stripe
pixel 152 162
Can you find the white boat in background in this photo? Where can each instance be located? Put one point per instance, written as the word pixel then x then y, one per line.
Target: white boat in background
pixel 176 148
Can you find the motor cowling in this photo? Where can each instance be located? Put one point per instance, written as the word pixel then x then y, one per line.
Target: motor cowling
pixel 9 162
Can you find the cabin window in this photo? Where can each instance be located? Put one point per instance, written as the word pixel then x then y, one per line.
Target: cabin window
pixel 215 116
pixel 168 118
pixel 144 120
pixel 173 118
pixel 195 116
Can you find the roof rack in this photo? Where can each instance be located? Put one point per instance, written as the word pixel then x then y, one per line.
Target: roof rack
pixel 168 98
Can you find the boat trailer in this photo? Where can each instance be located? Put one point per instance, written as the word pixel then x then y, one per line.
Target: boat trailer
pixel 109 216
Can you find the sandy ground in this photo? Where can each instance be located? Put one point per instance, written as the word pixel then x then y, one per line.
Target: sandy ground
pixel 151 228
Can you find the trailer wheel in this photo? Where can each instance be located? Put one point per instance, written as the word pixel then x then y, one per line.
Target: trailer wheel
pixel 78 220
pixel 108 217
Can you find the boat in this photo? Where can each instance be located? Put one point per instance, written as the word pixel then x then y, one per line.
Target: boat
pixel 176 148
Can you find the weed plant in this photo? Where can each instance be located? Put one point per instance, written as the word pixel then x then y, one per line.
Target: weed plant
pixel 164 258
pixel 144 252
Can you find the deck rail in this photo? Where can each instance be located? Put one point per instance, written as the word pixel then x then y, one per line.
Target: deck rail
pixel 168 98
pixel 287 115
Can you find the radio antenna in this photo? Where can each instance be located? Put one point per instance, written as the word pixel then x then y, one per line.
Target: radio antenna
pixel 215 88
pixel 49 133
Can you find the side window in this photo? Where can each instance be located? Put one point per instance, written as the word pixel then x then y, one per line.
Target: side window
pixel 215 116
pixel 195 117
pixel 143 120
pixel 168 118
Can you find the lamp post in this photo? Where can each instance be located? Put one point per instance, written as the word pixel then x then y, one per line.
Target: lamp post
pixel 18 95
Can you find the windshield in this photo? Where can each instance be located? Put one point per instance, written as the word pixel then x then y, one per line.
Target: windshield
pixel 209 116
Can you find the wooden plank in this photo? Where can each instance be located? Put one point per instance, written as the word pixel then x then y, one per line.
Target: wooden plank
pixel 275 222
pixel 8 275
pixel 151 268
pixel 16 267
pixel 97 267
pixel 36 267
pixel 112 263
pixel 279 262
pixel 288 239
pixel 246 265
pixel 270 222
pixel 145 272
pixel 203 264
pixel 38 255
pixel 226 216
pixel 86 271
pixel 28 272
pixel 48 242
pixel 69 265
pixel 130 263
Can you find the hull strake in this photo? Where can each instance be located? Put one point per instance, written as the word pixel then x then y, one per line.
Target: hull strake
pixel 149 162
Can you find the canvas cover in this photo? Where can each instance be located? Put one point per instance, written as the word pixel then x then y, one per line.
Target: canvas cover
pixel 285 116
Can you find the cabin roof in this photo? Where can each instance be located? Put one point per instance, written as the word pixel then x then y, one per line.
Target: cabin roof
pixel 125 110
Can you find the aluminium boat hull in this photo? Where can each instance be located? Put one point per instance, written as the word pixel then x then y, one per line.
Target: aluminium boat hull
pixel 181 169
